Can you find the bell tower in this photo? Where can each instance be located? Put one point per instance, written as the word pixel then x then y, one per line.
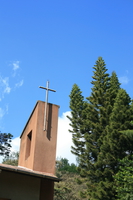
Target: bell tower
pixel 39 138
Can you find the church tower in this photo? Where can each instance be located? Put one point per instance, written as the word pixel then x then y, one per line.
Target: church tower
pixel 39 138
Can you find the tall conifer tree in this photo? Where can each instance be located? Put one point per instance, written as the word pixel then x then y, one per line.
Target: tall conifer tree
pixel 120 120
pixel 99 102
pixel 96 129
pixel 116 145
pixel 114 87
pixel 77 121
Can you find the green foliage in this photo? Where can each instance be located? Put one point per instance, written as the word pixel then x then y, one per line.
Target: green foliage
pixel 97 131
pixel 124 180
pixel 12 159
pixel 62 165
pixel 68 188
pixel 114 87
pixel 77 119
pixel 5 143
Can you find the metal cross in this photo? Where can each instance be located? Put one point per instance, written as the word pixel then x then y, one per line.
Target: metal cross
pixel 45 112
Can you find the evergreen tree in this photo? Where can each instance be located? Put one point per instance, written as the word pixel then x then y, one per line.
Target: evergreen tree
pixel 5 143
pixel 77 121
pixel 120 120
pixel 114 87
pixel 124 179
pixel 99 109
pixel 115 144
pixel 96 131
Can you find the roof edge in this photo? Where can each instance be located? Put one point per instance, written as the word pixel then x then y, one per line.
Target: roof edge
pixel 28 172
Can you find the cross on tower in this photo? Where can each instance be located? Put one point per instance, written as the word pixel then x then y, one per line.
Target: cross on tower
pixel 45 112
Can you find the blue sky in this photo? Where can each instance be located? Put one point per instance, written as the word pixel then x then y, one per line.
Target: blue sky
pixel 59 41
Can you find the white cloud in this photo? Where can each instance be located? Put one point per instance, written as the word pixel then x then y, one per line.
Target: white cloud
pixel 4 87
pixel 64 139
pixel 15 65
pixel 124 80
pixel 19 84
pixel 7 89
pixel 5 82
pixel 15 144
